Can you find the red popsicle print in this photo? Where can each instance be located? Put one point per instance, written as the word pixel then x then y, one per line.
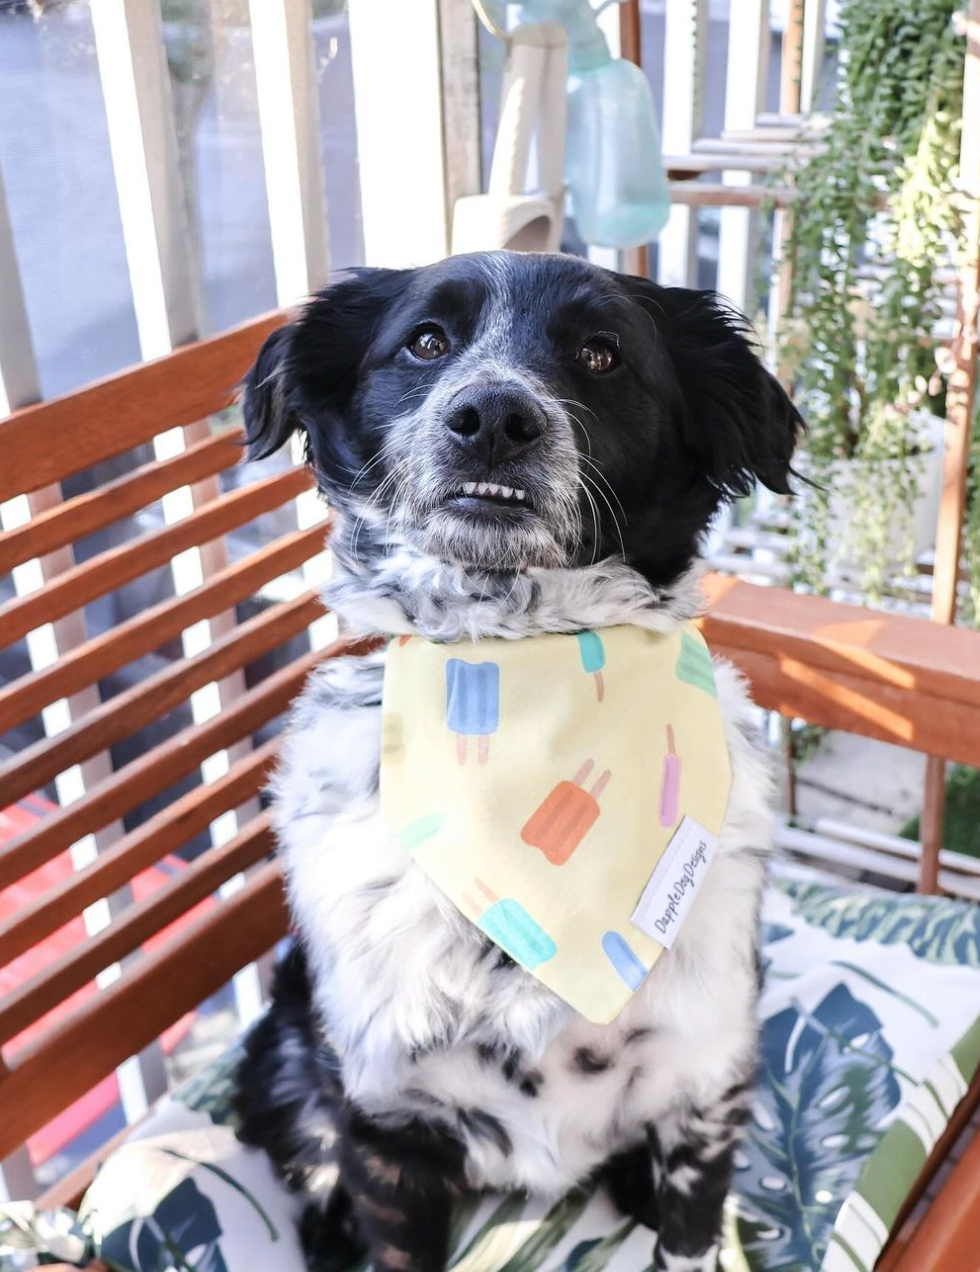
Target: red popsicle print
pixel 670 786
pixel 566 816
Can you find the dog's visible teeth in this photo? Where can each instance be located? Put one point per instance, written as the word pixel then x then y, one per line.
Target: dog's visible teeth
pixel 491 489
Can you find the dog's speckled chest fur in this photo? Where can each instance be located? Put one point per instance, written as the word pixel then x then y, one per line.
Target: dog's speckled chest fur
pixel 428 1017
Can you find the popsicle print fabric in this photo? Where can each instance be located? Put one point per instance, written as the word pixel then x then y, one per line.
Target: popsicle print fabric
pixel 538 782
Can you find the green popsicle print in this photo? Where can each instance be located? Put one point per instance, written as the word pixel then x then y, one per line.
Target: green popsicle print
pixel 419 831
pixel 694 665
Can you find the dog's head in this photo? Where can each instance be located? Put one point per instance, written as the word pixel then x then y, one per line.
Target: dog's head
pixel 503 411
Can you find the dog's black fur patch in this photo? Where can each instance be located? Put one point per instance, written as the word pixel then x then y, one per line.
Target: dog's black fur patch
pixel 688 418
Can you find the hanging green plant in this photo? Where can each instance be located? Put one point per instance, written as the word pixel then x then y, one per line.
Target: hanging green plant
pixel 971 533
pixel 876 222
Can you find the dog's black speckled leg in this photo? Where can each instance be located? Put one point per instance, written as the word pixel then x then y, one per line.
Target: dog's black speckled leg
pixel 401 1182
pixel 696 1155
pixel 631 1182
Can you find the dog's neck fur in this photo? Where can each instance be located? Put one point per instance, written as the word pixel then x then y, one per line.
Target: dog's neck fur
pixel 382 584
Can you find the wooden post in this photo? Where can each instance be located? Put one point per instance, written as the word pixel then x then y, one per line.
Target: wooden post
pixel 960 396
pixel 791 66
pixel 684 52
pixel 745 89
pixel 790 76
pixel 635 260
pixel 289 119
pixel 630 43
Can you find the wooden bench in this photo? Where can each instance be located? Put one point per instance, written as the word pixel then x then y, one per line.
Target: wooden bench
pixel 892 678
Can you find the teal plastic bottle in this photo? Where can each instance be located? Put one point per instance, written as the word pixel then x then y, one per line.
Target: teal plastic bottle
pixel 613 165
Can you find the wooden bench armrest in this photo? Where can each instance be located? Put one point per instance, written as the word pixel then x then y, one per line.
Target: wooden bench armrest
pixel 886 676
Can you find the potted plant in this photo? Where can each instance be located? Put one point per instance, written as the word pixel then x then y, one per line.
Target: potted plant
pixel 876 230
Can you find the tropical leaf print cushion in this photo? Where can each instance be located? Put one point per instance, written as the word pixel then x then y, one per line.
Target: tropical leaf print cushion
pixel 870 1037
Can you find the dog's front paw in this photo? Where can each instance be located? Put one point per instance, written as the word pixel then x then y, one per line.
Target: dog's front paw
pixel 666 1261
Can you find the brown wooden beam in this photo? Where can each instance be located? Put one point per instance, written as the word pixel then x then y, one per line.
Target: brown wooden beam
pixel 960 399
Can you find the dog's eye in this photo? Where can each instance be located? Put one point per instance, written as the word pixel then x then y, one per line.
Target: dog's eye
pixel 430 344
pixel 597 356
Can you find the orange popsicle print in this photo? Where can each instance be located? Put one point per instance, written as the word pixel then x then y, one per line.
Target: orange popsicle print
pixel 567 815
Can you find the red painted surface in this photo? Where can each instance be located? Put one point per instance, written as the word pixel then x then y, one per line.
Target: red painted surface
pixel 81 1115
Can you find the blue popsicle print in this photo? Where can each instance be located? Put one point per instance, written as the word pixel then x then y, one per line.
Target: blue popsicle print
pixel 593 655
pixel 472 703
pixel 510 926
pixel 626 963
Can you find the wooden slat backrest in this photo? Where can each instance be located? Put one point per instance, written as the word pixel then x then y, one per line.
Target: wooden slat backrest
pixel 178 974
pixel 42 444
pixel 147 630
pixel 40 447
pixel 111 569
pixel 74 518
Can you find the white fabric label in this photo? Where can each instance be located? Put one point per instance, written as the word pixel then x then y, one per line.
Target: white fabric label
pixel 663 906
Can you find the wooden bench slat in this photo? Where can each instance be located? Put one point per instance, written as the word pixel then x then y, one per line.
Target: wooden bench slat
pixel 166 831
pixel 87 1044
pixel 83 515
pixel 110 570
pixel 134 708
pixel 160 768
pixel 944 1239
pixel 42 444
pixel 33 998
pixel 144 632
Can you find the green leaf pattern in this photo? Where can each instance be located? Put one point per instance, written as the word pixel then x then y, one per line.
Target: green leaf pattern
pixel 933 928
pixel 865 995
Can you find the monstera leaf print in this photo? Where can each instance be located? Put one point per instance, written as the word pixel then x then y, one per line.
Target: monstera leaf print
pixel 934 929
pixel 182 1235
pixel 771 934
pixel 827 1085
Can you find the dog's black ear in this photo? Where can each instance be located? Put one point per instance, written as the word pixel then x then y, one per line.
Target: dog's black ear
pixel 269 420
pixel 306 371
pixel 736 416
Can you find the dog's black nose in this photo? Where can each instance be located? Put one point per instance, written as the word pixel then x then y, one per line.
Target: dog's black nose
pixel 495 421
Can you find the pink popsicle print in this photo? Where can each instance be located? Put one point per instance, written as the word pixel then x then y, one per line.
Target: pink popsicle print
pixel 670 787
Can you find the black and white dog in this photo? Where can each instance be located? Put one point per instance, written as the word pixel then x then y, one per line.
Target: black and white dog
pixel 512 444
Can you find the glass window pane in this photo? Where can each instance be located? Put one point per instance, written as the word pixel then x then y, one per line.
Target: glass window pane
pixel 61 195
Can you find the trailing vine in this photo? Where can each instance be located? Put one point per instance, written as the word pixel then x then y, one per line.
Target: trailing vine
pixel 875 221
pixel 971 533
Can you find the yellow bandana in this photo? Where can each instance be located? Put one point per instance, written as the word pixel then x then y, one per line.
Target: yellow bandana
pixel 563 791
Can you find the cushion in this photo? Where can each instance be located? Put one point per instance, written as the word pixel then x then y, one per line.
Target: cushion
pixel 870 1037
